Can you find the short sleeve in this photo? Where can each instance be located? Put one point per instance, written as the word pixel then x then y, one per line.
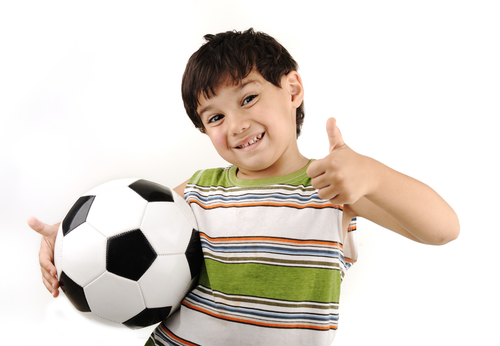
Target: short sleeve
pixel 351 245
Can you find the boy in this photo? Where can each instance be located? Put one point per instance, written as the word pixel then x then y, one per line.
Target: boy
pixel 276 227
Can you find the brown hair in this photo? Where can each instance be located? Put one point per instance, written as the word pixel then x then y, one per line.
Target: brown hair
pixel 229 57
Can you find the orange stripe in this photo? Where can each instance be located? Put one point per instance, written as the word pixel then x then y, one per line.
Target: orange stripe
pixel 184 342
pixel 317 206
pixel 350 260
pixel 283 240
pixel 256 323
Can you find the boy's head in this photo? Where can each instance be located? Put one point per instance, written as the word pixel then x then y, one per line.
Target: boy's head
pixel 227 58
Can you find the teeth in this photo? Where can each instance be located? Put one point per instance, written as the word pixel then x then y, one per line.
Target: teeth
pixel 257 138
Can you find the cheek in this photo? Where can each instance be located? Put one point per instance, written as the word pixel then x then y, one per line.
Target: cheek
pixel 218 141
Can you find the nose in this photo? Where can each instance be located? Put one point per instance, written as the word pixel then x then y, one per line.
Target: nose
pixel 239 124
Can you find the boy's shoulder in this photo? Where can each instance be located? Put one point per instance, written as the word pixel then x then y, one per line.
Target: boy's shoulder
pixel 211 176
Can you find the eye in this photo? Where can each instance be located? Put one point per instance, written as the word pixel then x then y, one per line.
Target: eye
pixel 248 99
pixel 215 118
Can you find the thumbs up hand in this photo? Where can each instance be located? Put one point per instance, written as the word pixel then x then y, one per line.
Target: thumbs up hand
pixel 343 176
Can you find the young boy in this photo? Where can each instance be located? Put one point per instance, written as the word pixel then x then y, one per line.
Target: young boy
pixel 276 227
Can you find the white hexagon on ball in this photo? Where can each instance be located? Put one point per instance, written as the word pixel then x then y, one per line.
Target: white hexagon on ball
pixel 114 298
pixel 166 281
pixel 84 254
pixel 166 228
pixel 125 215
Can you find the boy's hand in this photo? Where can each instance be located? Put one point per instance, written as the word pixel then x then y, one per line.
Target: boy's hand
pixel 46 255
pixel 391 199
pixel 343 175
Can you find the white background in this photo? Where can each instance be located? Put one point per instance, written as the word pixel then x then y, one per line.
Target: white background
pixel 91 92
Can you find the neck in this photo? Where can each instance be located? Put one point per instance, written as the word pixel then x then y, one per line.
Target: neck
pixel 277 170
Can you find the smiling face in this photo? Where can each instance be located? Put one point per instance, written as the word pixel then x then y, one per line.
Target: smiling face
pixel 252 125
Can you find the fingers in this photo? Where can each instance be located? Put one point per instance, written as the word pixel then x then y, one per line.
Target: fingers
pixel 52 286
pixel 327 192
pixel 46 254
pixel 329 183
pixel 333 193
pixel 330 165
pixel 46 258
pixel 319 180
pixel 315 169
pixel 49 271
pixel 325 189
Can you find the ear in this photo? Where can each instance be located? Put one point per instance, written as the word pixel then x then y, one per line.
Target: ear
pixel 295 87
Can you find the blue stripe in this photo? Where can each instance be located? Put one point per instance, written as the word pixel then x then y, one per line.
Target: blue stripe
pixel 242 249
pixel 165 337
pixel 277 316
pixel 251 197
pixel 273 249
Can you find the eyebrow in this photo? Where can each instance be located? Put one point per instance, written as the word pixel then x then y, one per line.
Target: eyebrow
pixel 244 84
pixel 240 86
pixel 206 109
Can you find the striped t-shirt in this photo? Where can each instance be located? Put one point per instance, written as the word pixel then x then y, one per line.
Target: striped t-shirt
pixel 274 260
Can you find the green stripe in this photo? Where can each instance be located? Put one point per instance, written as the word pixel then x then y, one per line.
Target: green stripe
pixel 227 178
pixel 209 176
pixel 273 282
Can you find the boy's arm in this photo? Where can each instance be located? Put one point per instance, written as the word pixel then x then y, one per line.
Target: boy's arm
pixel 180 189
pixel 46 254
pixel 369 189
pixel 408 207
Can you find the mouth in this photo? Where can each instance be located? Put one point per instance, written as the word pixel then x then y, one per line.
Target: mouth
pixel 251 142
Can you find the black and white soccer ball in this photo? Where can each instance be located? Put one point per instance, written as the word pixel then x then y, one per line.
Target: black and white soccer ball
pixel 128 251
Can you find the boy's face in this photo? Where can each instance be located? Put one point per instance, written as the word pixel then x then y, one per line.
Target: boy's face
pixel 252 125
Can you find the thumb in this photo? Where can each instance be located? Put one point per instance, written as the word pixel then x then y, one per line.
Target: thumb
pixel 42 228
pixel 334 135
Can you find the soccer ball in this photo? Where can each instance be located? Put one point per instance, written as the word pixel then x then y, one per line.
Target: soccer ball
pixel 128 251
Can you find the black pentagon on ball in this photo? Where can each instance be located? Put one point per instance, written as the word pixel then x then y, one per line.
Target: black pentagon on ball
pixel 194 254
pixel 77 214
pixel 152 192
pixel 129 254
pixel 74 292
pixel 147 317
